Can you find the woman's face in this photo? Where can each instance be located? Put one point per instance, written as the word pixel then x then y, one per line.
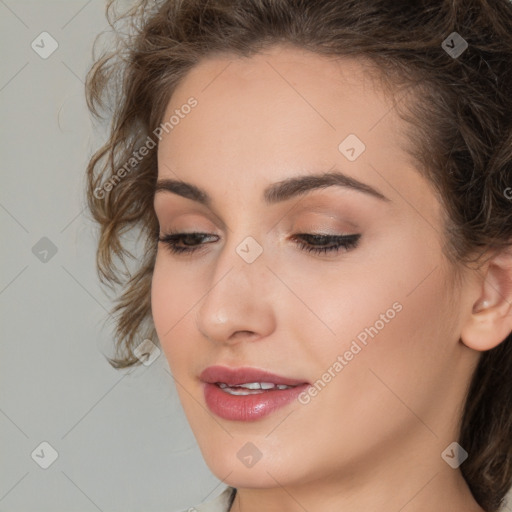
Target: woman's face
pixel 319 261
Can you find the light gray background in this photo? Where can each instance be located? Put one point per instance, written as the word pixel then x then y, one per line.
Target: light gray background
pixel 122 441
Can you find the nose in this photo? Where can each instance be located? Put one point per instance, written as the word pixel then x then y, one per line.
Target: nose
pixel 237 304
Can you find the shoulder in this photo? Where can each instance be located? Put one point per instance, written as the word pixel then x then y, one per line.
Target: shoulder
pixel 221 503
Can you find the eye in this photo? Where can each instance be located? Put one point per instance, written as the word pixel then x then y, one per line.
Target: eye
pixel 186 243
pixel 323 244
pixel 179 243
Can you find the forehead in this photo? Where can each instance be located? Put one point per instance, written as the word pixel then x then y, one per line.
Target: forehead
pixel 279 112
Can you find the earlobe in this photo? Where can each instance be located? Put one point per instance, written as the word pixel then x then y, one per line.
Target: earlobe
pixel 490 321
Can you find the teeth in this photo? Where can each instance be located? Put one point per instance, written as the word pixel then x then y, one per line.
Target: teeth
pixel 241 392
pixel 252 387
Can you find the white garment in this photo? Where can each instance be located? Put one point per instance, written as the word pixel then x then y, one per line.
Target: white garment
pixel 219 504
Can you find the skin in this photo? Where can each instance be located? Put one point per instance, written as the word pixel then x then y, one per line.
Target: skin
pixel 372 438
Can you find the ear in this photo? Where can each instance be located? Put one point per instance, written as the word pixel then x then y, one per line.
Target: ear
pixel 490 320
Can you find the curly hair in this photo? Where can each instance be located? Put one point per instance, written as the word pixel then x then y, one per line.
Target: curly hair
pixel 460 128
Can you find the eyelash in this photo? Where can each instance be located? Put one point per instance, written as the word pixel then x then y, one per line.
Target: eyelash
pixel 306 241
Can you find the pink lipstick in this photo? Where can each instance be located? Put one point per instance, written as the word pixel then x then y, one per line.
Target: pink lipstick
pixel 247 394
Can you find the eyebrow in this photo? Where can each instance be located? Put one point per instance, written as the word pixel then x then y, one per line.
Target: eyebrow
pixel 277 192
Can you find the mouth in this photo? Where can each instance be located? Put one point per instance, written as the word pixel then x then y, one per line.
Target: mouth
pixel 247 394
pixel 251 388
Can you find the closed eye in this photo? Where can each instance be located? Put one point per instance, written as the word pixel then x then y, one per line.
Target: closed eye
pixel 323 244
pixel 187 243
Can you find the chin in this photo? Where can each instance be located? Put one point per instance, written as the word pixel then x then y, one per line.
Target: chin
pixel 242 464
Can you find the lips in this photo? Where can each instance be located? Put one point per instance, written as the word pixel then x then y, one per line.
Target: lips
pixel 237 376
pixel 247 394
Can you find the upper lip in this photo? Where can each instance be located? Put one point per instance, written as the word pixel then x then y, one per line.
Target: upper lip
pixel 244 375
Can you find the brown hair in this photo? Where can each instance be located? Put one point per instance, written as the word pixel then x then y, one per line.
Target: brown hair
pixel 461 128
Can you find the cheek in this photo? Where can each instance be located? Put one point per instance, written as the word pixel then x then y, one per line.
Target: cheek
pixel 390 307
pixel 172 299
pixel 402 326
pixel 391 364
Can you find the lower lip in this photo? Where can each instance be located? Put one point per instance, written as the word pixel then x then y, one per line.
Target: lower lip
pixel 248 407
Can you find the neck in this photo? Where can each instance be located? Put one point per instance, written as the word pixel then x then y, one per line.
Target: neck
pixel 421 485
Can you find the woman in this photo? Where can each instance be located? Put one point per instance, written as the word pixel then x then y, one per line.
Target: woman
pixel 324 193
